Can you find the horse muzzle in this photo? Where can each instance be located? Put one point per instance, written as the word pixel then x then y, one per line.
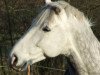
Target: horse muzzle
pixel 13 64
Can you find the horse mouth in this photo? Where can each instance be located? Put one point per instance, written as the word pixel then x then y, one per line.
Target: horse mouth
pixel 21 68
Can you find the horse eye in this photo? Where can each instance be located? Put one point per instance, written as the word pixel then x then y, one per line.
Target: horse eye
pixel 46 29
pixel 56 9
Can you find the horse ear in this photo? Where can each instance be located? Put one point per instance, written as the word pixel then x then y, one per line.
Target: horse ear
pixel 56 9
pixel 47 1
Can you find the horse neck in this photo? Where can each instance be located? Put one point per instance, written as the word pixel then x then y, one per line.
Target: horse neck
pixel 86 51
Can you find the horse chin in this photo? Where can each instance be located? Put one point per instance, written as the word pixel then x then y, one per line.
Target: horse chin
pixel 40 58
pixel 24 67
pixel 21 68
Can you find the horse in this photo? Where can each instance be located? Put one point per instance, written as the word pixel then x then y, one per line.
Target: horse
pixel 59 29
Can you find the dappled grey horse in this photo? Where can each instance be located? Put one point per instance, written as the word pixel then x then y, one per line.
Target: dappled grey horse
pixel 59 29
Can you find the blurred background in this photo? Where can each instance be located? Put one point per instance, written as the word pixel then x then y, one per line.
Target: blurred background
pixel 16 17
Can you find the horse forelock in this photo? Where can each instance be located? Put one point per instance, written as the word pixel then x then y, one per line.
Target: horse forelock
pixel 55 8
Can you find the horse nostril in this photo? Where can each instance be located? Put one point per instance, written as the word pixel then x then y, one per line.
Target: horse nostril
pixel 14 60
